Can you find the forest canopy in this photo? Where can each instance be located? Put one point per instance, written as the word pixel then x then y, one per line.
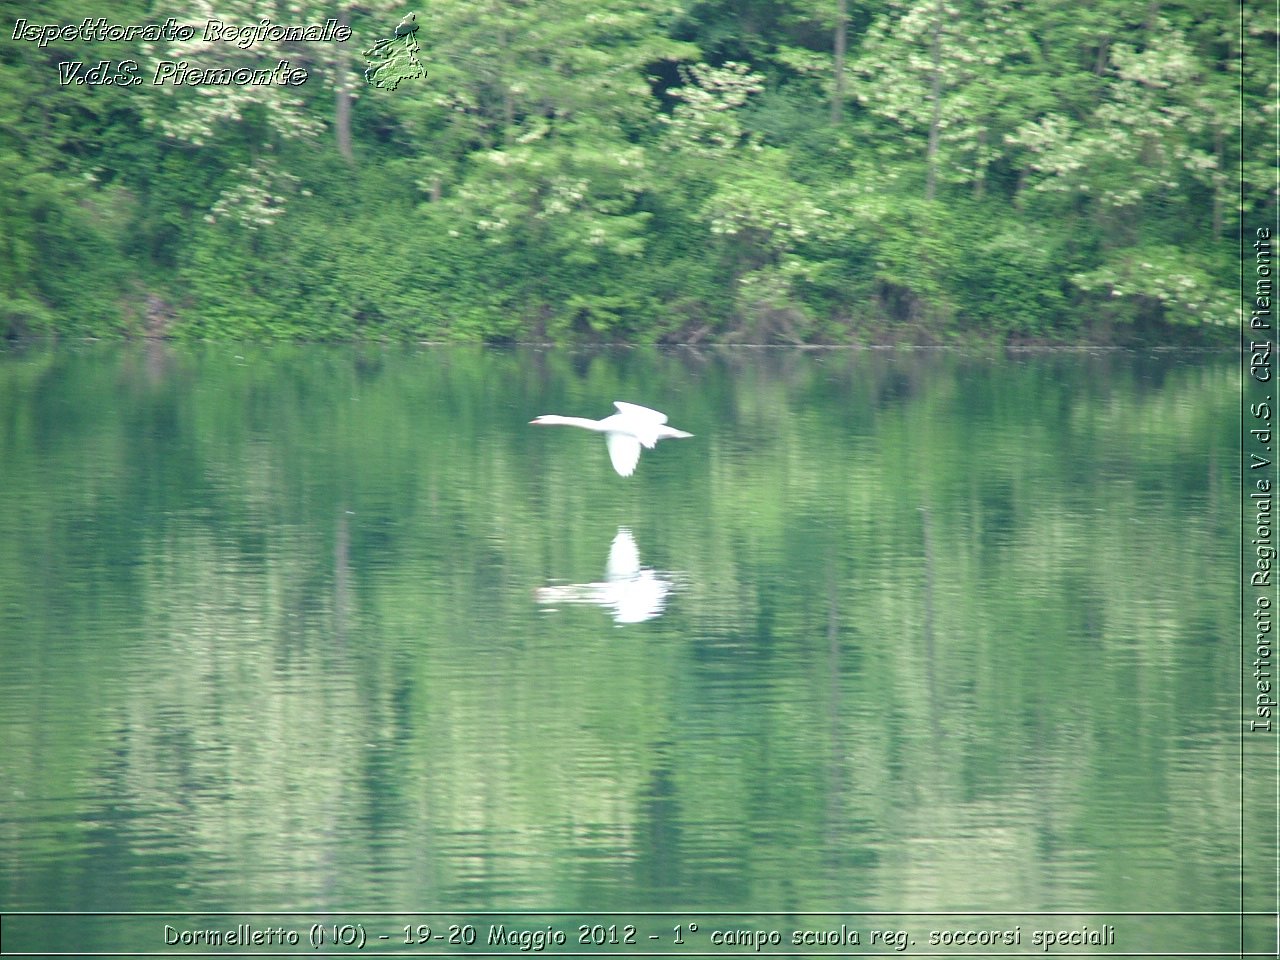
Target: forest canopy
pixel 639 171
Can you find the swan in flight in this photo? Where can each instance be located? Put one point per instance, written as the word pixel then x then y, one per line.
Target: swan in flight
pixel 631 428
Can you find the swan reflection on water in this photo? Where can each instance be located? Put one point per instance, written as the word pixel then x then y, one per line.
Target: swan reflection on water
pixel 633 594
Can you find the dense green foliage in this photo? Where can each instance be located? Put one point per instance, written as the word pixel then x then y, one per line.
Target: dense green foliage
pixel 783 171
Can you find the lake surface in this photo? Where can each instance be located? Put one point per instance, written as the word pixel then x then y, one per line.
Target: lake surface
pixel 334 629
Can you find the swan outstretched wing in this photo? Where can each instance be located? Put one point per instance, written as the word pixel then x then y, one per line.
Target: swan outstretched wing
pixel 624 451
pixel 635 410
pixel 642 423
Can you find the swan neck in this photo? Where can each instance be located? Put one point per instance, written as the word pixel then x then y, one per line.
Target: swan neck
pixel 583 422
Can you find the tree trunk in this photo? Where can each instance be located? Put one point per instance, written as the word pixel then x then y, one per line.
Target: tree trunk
pixel 342 98
pixel 842 29
pixel 342 123
pixel 935 97
pixel 1218 179
pixel 1100 65
pixel 506 72
pixel 980 165
pixel 1153 11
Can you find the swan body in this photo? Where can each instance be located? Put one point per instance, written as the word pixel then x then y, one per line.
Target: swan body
pixel 631 428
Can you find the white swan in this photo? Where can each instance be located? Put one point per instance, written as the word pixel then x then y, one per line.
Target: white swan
pixel 625 432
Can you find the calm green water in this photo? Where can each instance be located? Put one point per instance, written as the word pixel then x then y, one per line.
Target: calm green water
pixel 335 629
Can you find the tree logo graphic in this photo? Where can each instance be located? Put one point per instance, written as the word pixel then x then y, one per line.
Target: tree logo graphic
pixel 396 58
